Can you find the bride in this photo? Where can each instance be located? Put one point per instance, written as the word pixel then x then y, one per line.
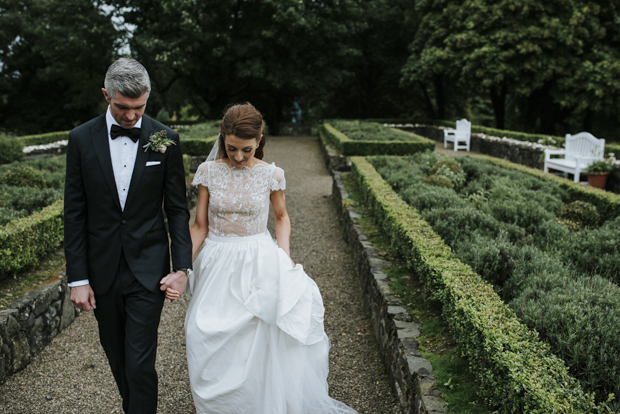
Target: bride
pixel 254 325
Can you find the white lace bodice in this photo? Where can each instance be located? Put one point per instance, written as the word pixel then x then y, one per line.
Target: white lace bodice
pixel 238 198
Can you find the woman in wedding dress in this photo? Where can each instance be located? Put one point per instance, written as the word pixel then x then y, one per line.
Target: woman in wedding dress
pixel 254 325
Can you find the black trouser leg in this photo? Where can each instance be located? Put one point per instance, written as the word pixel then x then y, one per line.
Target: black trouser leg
pixel 128 316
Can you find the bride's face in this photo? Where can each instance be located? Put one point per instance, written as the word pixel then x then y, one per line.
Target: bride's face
pixel 239 150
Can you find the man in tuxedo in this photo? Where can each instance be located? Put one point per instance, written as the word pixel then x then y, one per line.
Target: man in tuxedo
pixel 116 244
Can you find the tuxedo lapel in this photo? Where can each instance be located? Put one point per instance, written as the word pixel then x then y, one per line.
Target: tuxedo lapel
pixel 141 159
pixel 99 135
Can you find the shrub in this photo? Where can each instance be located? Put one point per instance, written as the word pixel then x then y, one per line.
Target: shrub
pixel 23 176
pixel 599 167
pixel 439 181
pixel 24 241
pixel 581 213
pixel 450 163
pixel 28 198
pixel 42 139
pixel 8 214
pixel 11 149
pixel 197 147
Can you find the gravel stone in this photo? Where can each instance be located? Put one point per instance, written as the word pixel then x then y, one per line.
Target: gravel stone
pixel 71 375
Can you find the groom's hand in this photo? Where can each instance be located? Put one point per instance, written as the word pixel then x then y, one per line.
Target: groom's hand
pixel 174 281
pixel 83 297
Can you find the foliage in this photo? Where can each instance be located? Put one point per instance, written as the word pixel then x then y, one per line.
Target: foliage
pixel 581 213
pixel 599 167
pixel 508 235
pixel 26 240
pixel 517 372
pixel 42 139
pixel 202 130
pixel 410 144
pixel 371 131
pixel 51 76
pixel 11 149
pixel 439 181
pixel 198 147
pixel 23 176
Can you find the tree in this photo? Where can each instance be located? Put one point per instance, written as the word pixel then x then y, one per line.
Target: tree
pixel 54 55
pixel 267 52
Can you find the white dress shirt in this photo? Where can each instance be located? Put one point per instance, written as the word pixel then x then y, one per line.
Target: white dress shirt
pixel 123 152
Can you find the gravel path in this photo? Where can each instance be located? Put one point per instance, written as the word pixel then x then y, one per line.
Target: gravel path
pixel 72 375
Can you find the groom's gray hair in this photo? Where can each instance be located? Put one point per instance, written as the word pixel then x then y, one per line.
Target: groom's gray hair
pixel 127 77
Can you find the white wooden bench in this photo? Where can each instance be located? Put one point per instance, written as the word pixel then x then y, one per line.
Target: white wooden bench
pixel 462 133
pixel 580 150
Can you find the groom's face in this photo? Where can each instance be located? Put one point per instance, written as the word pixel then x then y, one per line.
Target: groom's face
pixel 126 111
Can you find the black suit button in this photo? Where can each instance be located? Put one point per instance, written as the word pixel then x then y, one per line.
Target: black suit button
pixel 123 222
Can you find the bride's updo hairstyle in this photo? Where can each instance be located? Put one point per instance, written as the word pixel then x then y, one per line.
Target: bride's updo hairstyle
pixel 245 122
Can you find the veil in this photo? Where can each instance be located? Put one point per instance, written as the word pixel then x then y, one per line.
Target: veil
pixel 215 155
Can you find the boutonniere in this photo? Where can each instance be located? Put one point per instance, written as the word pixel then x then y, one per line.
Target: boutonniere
pixel 158 142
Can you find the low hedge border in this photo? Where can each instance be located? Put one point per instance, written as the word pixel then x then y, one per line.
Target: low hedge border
pixel 349 147
pixel 607 203
pixel 42 139
pixel 197 147
pixel 25 241
pixel 516 371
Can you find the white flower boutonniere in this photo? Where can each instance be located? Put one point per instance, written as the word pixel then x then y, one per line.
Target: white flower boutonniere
pixel 159 142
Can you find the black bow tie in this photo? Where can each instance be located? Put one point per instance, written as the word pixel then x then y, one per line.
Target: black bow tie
pixel 117 131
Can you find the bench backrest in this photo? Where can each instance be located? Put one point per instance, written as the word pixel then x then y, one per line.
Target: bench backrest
pixel 463 125
pixel 584 144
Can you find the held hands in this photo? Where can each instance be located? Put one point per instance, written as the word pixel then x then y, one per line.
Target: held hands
pixel 173 284
pixel 83 297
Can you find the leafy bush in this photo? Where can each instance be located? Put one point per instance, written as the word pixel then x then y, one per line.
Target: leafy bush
pixel 8 214
pixel 370 131
pixel 23 176
pixel 203 130
pixel 11 149
pixel 599 167
pixel 450 163
pixel 581 213
pixel 28 198
pixel 42 139
pixel 197 147
pixel 439 181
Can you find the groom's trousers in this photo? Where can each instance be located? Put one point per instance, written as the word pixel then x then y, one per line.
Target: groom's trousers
pixel 128 317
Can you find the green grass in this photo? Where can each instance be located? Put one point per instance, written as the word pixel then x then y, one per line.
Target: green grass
pixel 454 379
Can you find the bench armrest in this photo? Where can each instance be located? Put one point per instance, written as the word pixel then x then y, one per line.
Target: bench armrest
pixel 549 152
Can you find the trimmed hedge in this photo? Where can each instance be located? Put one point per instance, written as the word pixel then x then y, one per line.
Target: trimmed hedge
pixel 42 139
pixel 516 371
pixel 197 147
pixel 25 241
pixel 411 143
pixel 607 203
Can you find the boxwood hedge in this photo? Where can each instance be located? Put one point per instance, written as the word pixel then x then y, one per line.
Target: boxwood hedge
pixel 517 372
pixel 410 143
pixel 197 147
pixel 23 242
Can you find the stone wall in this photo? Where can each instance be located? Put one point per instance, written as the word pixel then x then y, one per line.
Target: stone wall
pixel 30 323
pixel 410 375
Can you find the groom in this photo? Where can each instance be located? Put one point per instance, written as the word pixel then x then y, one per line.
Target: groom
pixel 116 244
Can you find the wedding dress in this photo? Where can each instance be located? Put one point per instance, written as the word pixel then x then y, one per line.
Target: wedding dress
pixel 254 325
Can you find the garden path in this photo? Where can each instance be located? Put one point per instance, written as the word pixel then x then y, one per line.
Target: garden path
pixel 72 375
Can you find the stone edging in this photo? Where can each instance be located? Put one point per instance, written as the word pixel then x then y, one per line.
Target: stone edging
pixel 410 375
pixel 32 322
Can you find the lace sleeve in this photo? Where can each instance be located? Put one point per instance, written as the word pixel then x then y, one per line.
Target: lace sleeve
pixel 202 175
pixel 277 180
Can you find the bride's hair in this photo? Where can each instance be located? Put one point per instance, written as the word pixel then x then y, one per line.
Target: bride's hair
pixel 245 122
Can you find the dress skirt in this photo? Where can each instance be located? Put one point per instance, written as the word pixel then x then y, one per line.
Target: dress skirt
pixel 254 330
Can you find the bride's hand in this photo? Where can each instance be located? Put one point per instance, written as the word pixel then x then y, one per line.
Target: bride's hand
pixel 172 295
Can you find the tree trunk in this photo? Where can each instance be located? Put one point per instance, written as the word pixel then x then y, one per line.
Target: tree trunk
pixel 498 98
pixel 429 102
pixel 439 96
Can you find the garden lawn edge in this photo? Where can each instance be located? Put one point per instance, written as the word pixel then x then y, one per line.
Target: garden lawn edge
pixel 517 372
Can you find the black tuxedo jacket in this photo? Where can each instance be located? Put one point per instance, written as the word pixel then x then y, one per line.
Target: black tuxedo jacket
pixel 97 230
